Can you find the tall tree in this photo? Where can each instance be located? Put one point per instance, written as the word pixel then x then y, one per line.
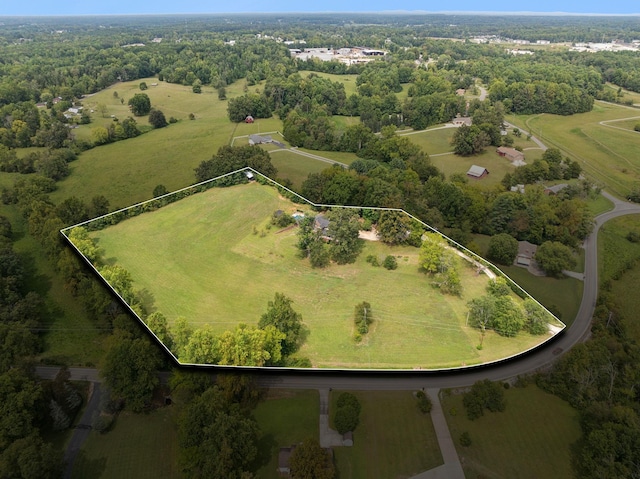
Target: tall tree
pixel 310 461
pixel 282 316
pixel 140 104
pixel 217 441
pixel 129 370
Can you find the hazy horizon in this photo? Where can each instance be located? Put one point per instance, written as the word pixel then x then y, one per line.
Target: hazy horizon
pixel 166 7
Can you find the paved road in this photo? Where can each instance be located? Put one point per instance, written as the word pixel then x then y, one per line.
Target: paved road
pixel 81 433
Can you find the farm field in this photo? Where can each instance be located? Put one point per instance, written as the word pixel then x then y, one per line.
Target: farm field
pixel 127 171
pixel 532 438
pixel 606 149
pixel 215 261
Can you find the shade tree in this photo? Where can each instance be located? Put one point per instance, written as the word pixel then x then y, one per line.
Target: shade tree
pixel 281 315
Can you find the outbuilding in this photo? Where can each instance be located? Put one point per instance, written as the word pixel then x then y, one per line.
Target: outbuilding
pixel 477 172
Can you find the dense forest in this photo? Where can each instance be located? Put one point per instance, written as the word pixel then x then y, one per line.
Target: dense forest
pixel 48 66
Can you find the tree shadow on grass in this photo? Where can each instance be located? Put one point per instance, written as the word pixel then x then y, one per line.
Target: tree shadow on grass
pixel 148 300
pixel 86 467
pixel 267 448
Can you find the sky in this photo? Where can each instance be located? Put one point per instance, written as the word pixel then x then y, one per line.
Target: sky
pixel 123 7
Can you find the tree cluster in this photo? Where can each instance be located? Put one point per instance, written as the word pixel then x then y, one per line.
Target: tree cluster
pixel 232 158
pixel 483 395
pixel 438 260
pixel 499 311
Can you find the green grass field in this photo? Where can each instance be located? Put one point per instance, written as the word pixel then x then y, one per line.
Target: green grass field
pixel 285 417
pixel 531 439
pixel 608 155
pixel 127 171
pixel 432 141
pixel 206 265
pixel 563 295
pixel 296 167
pixel 139 445
pixel 615 252
pixel 392 440
pixel 497 166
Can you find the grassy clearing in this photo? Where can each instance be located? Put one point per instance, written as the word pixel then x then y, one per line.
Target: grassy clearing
pixel 434 141
pixel 608 155
pixel 349 81
pixel 227 259
pixel 628 301
pixel 393 439
pixel 285 417
pixel 296 167
pixel 531 439
pixel 599 205
pixel 127 171
pixel 562 295
pixel 615 251
pixel 139 445
pixel 497 166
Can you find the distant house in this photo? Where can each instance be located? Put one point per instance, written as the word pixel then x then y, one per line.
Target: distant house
pixel 477 172
pixel 249 119
pixel 259 139
pixel 511 154
pixel 321 225
pixel 462 120
pixel 555 189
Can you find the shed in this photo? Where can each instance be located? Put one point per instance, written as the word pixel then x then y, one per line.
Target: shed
pixel 283 460
pixel 477 172
pixel 347 438
pixel 511 154
pixel 249 175
pixel 249 119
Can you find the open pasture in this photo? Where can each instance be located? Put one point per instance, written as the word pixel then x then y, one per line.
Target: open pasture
pixel 213 259
pixel 127 171
pixel 497 166
pixel 433 141
pixel 532 438
pixel 296 167
pixel 605 149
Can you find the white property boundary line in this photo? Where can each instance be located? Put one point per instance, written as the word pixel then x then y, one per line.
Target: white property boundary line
pixel 470 256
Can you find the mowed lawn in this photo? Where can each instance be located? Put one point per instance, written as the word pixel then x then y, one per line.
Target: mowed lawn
pixel 532 438
pixel 139 445
pixel 392 440
pixel 285 417
pixel 296 167
pixel 212 259
pixel 608 155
